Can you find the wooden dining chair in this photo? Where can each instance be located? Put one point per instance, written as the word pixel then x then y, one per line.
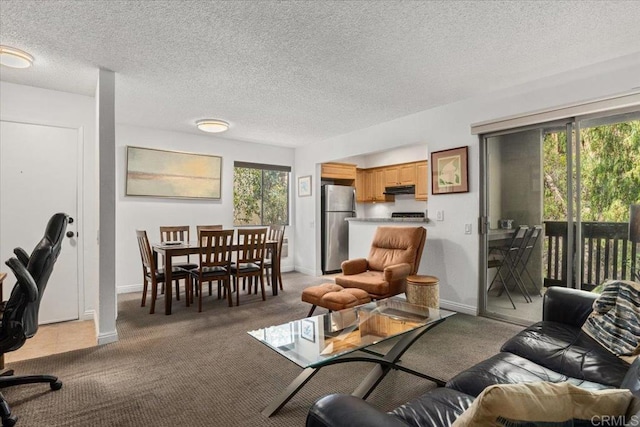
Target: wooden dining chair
pixel 178 233
pixel 215 262
pixel 249 258
pixel 150 272
pixel 199 228
pixel 275 233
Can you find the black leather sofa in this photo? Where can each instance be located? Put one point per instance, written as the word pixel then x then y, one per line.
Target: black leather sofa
pixel 553 350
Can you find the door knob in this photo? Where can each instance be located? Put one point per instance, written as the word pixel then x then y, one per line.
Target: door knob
pixel 70 234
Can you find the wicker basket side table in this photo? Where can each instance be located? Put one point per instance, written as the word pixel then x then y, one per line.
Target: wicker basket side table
pixel 423 290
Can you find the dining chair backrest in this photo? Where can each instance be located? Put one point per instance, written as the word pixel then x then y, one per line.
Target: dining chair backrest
pixel 276 233
pixel 215 248
pixel 174 233
pixel 148 263
pixel 200 228
pixel 251 245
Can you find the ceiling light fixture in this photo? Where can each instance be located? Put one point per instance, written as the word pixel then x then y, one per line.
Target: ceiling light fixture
pixel 14 58
pixel 212 125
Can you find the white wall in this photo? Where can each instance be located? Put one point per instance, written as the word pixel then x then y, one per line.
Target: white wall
pixel 149 213
pixel 46 107
pixel 453 256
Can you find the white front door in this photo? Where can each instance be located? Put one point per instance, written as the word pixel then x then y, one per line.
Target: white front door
pixel 39 177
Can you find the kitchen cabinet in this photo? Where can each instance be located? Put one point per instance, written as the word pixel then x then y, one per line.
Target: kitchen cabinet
pixel 379 186
pixel 400 175
pixel 361 192
pixel 342 171
pixel 370 186
pixel 422 180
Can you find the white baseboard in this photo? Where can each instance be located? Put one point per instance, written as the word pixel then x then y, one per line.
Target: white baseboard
pixel 107 337
pixel 460 308
pixel 307 271
pixel 88 315
pixel 129 288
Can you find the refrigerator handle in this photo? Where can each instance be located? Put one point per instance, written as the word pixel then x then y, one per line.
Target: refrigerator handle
pixel 353 200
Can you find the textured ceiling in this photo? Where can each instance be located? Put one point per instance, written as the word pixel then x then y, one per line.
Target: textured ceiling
pixel 294 73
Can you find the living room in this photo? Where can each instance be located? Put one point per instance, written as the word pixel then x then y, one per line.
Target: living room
pixel 438 123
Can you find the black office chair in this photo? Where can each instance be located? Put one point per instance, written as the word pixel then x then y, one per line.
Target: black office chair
pixel 20 318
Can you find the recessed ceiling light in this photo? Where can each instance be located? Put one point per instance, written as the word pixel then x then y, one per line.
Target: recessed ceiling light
pixel 15 58
pixel 212 125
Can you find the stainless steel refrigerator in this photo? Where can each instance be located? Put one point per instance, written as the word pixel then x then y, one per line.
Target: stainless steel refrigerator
pixel 338 203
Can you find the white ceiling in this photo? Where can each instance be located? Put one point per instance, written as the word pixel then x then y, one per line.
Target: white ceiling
pixel 294 73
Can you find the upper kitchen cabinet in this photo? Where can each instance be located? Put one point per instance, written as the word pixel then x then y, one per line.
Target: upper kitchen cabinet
pixel 340 173
pixel 361 191
pixel 370 186
pixel 404 174
pixel 422 180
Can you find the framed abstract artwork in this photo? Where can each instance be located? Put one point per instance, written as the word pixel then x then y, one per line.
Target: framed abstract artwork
pixel 450 171
pixel 304 186
pixel 162 173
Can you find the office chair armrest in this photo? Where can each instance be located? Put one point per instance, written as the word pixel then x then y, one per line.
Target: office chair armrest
pixel 25 280
pixel 23 257
pixel 354 266
pixel 397 271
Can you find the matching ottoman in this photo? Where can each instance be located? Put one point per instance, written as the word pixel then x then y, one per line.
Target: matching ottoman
pixel 334 297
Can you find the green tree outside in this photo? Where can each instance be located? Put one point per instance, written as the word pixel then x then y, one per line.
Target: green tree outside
pixel 260 197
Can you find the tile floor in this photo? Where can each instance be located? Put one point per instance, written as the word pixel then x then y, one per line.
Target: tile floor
pixel 56 338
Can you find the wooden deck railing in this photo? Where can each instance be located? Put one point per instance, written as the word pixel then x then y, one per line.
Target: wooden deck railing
pixel 605 249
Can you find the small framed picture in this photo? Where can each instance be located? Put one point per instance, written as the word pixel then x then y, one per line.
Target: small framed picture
pixel 308 330
pixel 304 186
pixel 450 171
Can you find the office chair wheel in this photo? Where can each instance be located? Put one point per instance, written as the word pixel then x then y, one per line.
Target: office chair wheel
pixel 9 421
pixel 56 385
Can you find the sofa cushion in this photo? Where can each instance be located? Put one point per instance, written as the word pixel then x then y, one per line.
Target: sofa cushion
pixel 542 403
pixel 508 368
pixel 437 408
pixel 567 350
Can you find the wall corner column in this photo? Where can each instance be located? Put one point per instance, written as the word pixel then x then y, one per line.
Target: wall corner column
pixel 106 141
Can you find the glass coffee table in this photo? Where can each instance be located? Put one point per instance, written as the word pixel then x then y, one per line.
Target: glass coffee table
pixel 345 336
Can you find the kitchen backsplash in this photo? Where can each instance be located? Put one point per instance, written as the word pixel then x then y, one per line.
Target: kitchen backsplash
pixel 403 203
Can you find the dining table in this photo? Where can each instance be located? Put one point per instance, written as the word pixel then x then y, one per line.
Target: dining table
pixel 175 249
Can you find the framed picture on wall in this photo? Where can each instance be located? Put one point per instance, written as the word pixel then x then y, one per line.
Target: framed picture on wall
pixel 163 173
pixel 304 186
pixel 450 171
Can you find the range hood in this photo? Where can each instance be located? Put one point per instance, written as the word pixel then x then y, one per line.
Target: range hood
pixel 400 189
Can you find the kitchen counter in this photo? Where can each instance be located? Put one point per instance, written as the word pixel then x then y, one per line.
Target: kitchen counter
pixel 419 220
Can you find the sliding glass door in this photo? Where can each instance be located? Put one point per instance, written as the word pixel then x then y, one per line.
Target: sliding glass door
pixel 572 180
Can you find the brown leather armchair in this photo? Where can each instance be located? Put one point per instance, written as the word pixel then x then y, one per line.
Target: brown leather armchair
pixel 395 255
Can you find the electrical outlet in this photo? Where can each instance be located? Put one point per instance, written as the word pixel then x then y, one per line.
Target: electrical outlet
pixel 467 229
pixel 440 215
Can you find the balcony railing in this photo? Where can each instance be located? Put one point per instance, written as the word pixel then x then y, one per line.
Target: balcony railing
pixel 606 253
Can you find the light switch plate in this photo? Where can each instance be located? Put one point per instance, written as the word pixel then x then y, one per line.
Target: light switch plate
pixel 467 229
pixel 440 215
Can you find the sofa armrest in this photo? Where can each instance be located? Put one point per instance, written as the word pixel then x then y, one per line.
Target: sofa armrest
pixel 354 266
pixel 397 271
pixel 568 306
pixel 345 410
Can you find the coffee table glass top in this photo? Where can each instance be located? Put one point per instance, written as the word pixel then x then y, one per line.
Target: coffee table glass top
pixel 315 340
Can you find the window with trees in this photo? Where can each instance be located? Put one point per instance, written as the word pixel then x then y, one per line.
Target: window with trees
pixel 260 194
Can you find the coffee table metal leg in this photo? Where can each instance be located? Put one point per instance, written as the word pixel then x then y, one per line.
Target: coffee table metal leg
pixel 390 360
pixel 291 389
